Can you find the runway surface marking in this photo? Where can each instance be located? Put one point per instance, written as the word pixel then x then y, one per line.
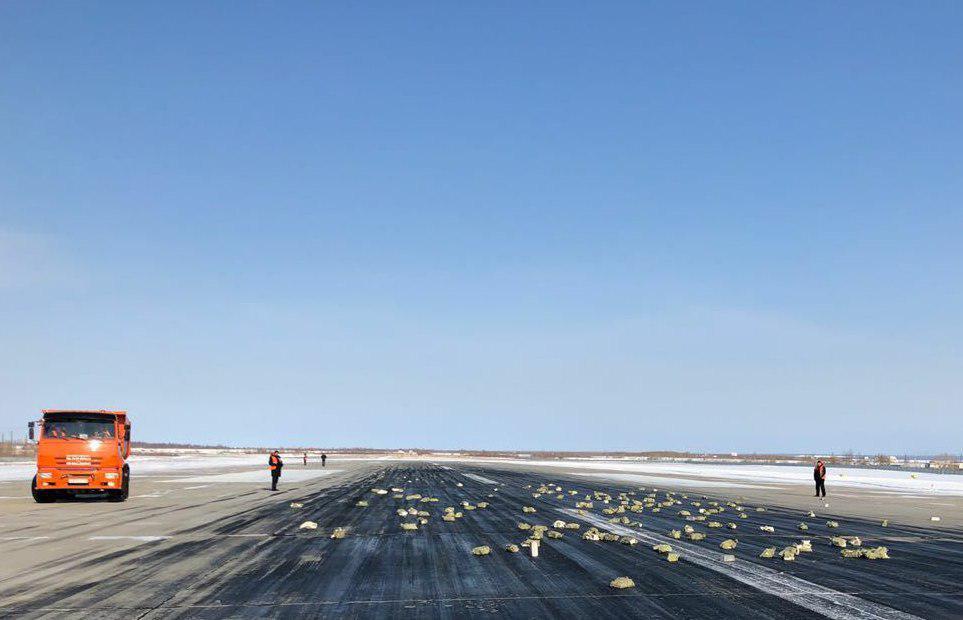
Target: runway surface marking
pixel 136 538
pixel 481 479
pixel 816 598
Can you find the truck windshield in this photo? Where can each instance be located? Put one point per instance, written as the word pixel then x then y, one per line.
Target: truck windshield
pixel 78 427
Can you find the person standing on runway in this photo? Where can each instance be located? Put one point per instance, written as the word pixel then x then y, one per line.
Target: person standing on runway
pixel 819 473
pixel 324 457
pixel 275 464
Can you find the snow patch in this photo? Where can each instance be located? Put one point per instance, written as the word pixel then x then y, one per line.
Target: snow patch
pixel 897 482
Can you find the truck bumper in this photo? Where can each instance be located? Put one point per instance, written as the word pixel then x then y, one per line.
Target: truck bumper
pixel 86 480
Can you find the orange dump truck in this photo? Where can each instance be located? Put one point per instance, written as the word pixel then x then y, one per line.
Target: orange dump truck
pixel 81 452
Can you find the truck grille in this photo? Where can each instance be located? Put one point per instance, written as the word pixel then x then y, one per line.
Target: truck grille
pixel 78 461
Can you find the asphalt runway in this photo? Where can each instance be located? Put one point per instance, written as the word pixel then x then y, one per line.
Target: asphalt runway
pixel 219 545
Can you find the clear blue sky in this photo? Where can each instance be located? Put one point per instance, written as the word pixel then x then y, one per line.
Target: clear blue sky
pixel 543 225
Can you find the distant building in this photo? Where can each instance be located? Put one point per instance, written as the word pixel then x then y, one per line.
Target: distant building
pixel 944 464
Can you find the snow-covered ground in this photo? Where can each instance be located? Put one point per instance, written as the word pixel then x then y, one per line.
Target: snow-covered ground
pixel 200 464
pixel 147 465
pixel 709 474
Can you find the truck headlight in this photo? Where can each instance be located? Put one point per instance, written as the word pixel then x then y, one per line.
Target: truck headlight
pixel 45 474
pixel 111 475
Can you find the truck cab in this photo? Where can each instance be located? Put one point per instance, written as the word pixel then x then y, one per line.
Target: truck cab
pixel 80 453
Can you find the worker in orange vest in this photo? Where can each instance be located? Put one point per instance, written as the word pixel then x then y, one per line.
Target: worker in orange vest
pixel 275 464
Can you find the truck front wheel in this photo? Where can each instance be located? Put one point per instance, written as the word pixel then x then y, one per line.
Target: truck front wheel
pixel 121 495
pixel 41 497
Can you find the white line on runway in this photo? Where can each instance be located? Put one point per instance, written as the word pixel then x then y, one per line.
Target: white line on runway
pixel 811 596
pixel 200 486
pixel 137 538
pixel 481 479
pixel 156 494
pixel 24 537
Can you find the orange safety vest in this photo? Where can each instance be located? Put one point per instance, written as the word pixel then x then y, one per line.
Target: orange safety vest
pixel 273 462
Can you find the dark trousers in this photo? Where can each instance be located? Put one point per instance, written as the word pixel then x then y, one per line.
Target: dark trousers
pixel 821 486
pixel 274 480
pixel 323 461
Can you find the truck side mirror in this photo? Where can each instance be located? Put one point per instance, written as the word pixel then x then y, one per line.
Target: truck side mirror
pixel 30 427
pixel 126 433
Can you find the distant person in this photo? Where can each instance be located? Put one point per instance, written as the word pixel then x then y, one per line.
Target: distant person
pixel 819 473
pixel 324 457
pixel 275 464
pixel 305 459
